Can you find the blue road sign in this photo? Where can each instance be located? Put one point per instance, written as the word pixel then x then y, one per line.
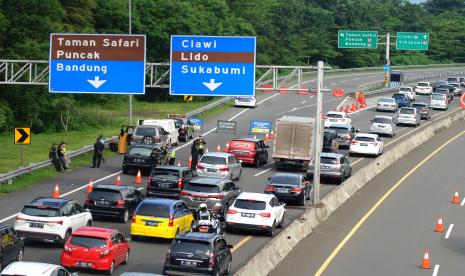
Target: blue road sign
pixel 260 127
pixel 97 64
pixel 197 122
pixel 212 65
pixel 387 67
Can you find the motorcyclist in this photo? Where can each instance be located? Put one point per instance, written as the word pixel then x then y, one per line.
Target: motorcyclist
pixel 204 214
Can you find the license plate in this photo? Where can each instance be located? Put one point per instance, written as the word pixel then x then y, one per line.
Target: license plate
pixel 282 191
pixel 363 144
pixel 248 215
pixel 165 186
pixel 203 229
pixel 381 126
pixel 36 225
pixel 333 120
pixel 151 223
pixel 196 198
pixel 83 264
pixel 211 170
pixel 188 263
pixel 102 203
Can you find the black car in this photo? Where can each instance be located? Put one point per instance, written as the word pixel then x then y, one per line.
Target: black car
pixel 138 157
pixel 423 109
pixel 345 133
pixel 168 181
pixel 185 128
pixel 198 253
pixel 447 87
pixel 436 84
pixel 290 187
pixel 330 141
pixel 11 246
pixel 107 200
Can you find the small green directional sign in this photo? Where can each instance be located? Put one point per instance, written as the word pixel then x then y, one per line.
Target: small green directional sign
pixel 412 41
pixel 357 39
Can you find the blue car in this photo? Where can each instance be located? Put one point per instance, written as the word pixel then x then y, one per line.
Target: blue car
pixel 401 100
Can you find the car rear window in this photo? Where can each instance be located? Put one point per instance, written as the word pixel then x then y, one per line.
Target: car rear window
pixel 284 179
pixel 405 89
pixel 165 173
pixel 437 97
pixel 334 115
pixel 88 242
pixel 214 160
pixel 407 111
pixel 242 145
pixel 419 105
pixel 365 139
pixel 201 188
pixel 398 96
pixel 386 100
pixel 110 195
pixel 329 160
pixel 340 130
pixel 380 120
pixel 423 84
pixel 200 250
pixel 178 122
pixel 145 131
pixel 41 211
pixel 250 204
pixel 153 210
pixel 141 151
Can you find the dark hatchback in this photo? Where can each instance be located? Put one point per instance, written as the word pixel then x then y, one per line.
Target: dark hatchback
pixel 168 181
pixel 198 254
pixel 118 201
pixel 423 109
pixel 11 246
pixel 401 100
pixel 138 157
pixel 444 90
pixel 289 187
pixel 185 128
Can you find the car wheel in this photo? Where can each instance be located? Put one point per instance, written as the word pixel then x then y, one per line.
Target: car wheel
pixel 283 220
pixel 134 237
pixel 125 217
pixel 89 223
pixel 112 268
pixel 20 256
pixel 239 176
pixel 302 199
pixel 67 235
pixel 228 269
pixel 147 140
pixel 125 170
pixel 257 162
pixel 126 259
pixel 270 232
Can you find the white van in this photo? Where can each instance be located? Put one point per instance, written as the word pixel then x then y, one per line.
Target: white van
pixel 439 101
pixel 168 125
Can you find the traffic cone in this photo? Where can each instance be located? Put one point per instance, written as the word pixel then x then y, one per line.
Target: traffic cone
pixel 341 109
pixel 138 178
pixel 226 148
pixel 179 163
pixel 118 180
pixel 425 263
pixel 90 187
pixel 347 108
pixel 189 162
pixel 439 226
pixel 56 191
pixel 353 108
pixel 218 148
pixel 267 137
pixel 455 199
pixel 272 135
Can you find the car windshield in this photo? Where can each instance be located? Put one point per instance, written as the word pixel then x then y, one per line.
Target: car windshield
pixel 340 130
pixel 455 85
pixel 329 160
pixel 139 151
pixel 153 210
pixel 405 89
pixel 250 204
pixel 110 195
pixel 423 84
pixel 285 179
pixel 214 160
pixel 334 115
pixel 145 131
pixel 39 211
pixel 201 188
pixel 381 120
pixel 364 139
pixel 386 100
pixel 200 250
pixel 437 97
pixel 327 135
pixel 159 173
pixel 407 111
pixel 178 122
pixel 88 242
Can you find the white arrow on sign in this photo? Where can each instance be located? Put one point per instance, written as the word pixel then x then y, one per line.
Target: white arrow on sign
pixel 212 85
pixel 96 82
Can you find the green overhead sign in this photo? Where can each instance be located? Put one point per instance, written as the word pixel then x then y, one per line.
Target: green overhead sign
pixel 357 39
pixel 412 41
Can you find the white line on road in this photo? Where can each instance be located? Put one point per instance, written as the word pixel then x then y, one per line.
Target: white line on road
pixel 333 84
pixel 303 102
pixel 272 162
pixel 463 202
pixel 356 78
pixel 140 189
pixel 449 230
pixel 257 174
pixel 436 270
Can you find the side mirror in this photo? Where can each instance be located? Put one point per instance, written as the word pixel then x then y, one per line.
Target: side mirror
pixel 230 246
pixel 283 204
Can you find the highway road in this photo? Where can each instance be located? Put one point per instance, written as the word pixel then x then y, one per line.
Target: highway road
pixel 148 255
pixel 371 236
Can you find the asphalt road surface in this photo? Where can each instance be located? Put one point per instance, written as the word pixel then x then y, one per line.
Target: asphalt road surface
pixel 148 255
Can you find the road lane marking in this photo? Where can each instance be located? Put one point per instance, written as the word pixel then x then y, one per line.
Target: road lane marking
pixel 257 174
pixel 332 84
pixel 272 162
pixel 436 270
pixel 303 102
pixel 449 230
pixel 463 202
pixel 241 243
pixel 362 221
pixel 356 78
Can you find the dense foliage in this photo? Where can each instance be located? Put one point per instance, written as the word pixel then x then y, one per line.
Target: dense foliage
pixel 289 32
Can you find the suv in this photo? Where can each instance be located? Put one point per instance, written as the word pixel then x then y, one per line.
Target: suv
pixel 401 100
pixel 11 246
pixel 344 134
pixel 209 190
pixel 108 200
pixel 290 187
pixel 408 91
pixel 150 135
pixel 423 109
pixel 220 164
pixel 138 157
pixel 332 165
pixel 409 115
pixel 330 141
pixel 198 253
pixel 249 150
pixel 168 181
pixel 51 219
pixel 185 128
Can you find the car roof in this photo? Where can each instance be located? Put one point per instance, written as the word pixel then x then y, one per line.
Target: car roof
pixel 218 154
pixel 29 268
pixel 336 112
pixel 331 154
pixel 207 180
pixel 247 139
pixel 49 202
pixel 97 232
pixel 113 187
pixel 371 135
pixel 383 117
pixel 197 236
pixel 255 196
pixel 161 201
pixel 386 98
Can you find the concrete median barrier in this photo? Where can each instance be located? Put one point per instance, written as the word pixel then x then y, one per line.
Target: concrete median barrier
pixel 277 249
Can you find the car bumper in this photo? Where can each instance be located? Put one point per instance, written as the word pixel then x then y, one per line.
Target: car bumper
pixel 326 174
pixel 288 197
pixel 246 160
pixel 179 270
pixel 150 231
pixel 137 165
pixel 214 174
pixel 424 114
pixel 381 130
pixel 161 193
pixel 343 142
pixel 363 150
pixel 104 212
pixel 70 261
pixel 407 121
pixel 247 104
pixel 247 227
pixel 438 106
pixel 41 236
pixel 194 204
pixel 281 162
pixel 386 108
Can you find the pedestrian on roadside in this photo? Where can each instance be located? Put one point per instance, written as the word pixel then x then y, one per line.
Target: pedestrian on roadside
pixel 53 154
pixel 195 154
pixel 122 144
pixel 164 154
pixel 155 156
pixel 98 153
pixel 62 156
pixel 201 145
pixel 102 140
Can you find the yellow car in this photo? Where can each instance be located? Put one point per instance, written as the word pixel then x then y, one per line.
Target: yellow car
pixel 161 218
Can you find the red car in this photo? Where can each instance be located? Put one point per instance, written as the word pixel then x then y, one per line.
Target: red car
pixel 250 150
pixel 95 248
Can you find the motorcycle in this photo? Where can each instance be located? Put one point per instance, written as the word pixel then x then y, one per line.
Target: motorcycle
pixel 213 225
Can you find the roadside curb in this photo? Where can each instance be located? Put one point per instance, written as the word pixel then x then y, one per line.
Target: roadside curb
pixel 278 248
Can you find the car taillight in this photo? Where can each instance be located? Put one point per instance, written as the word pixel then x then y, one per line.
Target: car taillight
pixel 20 218
pixel 354 142
pixel 60 222
pixel 265 215
pixel 296 190
pixel 216 196
pixel 211 263
pixel 269 188
pixel 231 212
pixel 180 183
pixel 376 143
pixel 200 167
pixel 171 222
pixel 168 257
pixel 184 193
pixel 120 203
pixel 67 249
pixel 105 253
pixel 149 180
pixel 87 200
pixel 158 139
pixel 224 169
pixel 133 217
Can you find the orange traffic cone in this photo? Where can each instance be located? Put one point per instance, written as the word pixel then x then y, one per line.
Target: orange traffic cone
pixel 439 226
pixel 425 263
pixel 218 148
pixel 364 102
pixel 189 162
pixel 226 148
pixel 267 137
pixel 348 108
pixel 455 199
pixel 179 163
pixel 118 180
pixel 90 187
pixel 56 191
pixel 138 178
pixel 341 109
pixel 272 135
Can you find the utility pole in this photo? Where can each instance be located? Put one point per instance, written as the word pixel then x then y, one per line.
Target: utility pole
pixel 318 136
pixel 388 62
pixel 130 95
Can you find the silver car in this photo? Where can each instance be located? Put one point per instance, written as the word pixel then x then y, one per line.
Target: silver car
pixel 332 165
pixel 386 104
pixel 457 88
pixel 409 116
pixel 211 191
pixel 383 125
pixel 220 164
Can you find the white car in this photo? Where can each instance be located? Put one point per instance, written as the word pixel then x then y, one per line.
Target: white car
pixel 36 269
pixel 439 101
pixel 51 219
pixel 383 125
pixel 256 212
pixel 337 118
pixel 246 101
pixel 457 88
pixel 409 116
pixel 169 125
pixel 424 88
pixel 407 91
pixel 366 143
pixel 386 104
pixel 220 164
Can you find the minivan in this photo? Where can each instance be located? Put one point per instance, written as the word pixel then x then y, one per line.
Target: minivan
pixel 168 125
pixel 249 150
pixel 409 115
pixel 439 101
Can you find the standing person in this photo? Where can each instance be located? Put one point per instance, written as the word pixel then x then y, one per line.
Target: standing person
pixel 164 154
pixel 98 153
pixel 102 141
pixel 62 156
pixel 171 155
pixel 201 145
pixel 195 154
pixel 122 143
pixel 53 154
pixel 155 156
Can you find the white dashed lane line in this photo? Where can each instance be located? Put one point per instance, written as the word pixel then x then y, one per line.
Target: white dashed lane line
pixel 262 172
pixel 449 230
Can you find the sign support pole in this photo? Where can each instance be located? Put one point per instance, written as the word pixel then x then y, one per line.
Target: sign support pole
pixel 22 161
pixel 388 61
pixel 130 95
pixel 317 137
